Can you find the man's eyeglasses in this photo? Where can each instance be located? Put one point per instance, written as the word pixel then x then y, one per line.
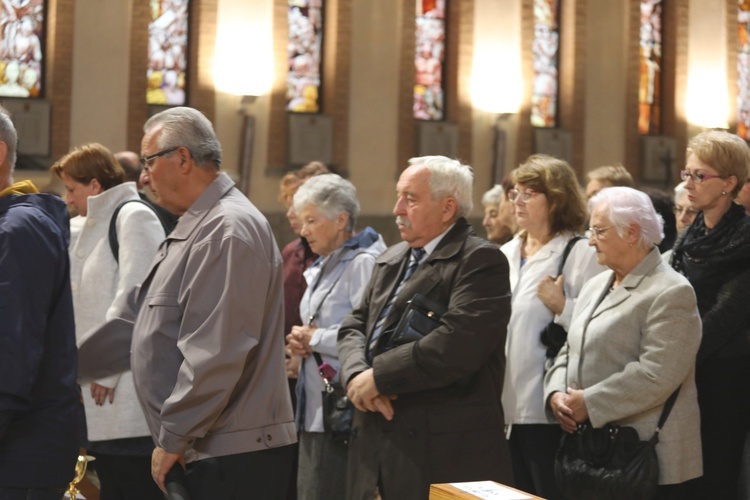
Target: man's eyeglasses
pixel 147 160
pixel 596 232
pixel 697 177
pixel 524 196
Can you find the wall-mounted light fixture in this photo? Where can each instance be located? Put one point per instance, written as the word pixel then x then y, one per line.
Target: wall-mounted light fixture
pixel 247 142
pixel 497 89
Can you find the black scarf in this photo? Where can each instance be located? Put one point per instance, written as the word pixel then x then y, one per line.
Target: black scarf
pixel 704 255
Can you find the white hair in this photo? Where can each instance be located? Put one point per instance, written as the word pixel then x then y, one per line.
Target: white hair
pixel 449 178
pixel 494 196
pixel 625 206
pixel 190 128
pixel 679 191
pixel 331 195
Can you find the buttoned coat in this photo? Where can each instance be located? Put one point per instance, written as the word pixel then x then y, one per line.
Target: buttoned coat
pixel 448 421
pixel 629 350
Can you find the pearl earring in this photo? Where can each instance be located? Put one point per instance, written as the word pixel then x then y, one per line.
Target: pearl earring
pixel 723 192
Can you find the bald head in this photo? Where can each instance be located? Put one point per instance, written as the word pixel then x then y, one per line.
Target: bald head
pixel 131 164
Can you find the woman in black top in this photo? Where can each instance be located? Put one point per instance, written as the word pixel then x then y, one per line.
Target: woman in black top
pixel 714 254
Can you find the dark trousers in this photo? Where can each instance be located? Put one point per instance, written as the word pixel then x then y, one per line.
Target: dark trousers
pixel 33 493
pixel 262 475
pixel 724 402
pixel 124 477
pixel 532 452
pixel 675 491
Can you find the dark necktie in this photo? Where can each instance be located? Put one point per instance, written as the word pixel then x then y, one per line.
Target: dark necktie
pixel 415 256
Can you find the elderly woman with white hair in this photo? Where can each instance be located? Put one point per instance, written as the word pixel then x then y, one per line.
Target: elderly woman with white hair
pixel 632 342
pixel 327 208
pixel 499 219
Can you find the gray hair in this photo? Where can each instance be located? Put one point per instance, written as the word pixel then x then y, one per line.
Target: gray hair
pixel 449 178
pixel 627 206
pixel 494 196
pixel 331 195
pixel 679 191
pixel 9 136
pixel 187 127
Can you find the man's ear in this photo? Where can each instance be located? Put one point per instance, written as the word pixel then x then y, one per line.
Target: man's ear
pixel 185 164
pixel 3 152
pixel 450 207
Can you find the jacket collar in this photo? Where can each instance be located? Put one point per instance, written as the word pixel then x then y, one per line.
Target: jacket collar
pixel 629 282
pixel 200 208
pixel 449 246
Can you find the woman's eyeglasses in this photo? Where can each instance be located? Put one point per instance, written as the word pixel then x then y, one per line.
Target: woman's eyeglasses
pixel 523 196
pixel 697 177
pixel 596 232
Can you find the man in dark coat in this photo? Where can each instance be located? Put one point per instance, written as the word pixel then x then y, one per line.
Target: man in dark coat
pixel 429 411
pixel 39 399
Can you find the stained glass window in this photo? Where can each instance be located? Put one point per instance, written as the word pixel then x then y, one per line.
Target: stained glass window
pixel 743 70
pixel 649 85
pixel 21 48
pixel 428 60
pixel 167 52
pixel 305 49
pixel 546 48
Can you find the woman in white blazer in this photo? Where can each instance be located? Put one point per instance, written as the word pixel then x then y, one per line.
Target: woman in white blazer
pixel 117 431
pixel 632 341
pixel 550 210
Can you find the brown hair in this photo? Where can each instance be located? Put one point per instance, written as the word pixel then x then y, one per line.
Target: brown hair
pixel 88 162
pixel 611 175
pixel 555 178
pixel 291 182
pixel 727 153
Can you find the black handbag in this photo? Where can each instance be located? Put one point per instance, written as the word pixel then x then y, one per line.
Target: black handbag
pixel 338 411
pixel 609 463
pixel 422 316
pixel 554 336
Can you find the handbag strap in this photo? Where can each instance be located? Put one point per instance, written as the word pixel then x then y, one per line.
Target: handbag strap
pixel 326 371
pixel 568 247
pixel 667 409
pixel 668 404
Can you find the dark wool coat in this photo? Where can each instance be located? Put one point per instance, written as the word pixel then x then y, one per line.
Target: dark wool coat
pixel 448 422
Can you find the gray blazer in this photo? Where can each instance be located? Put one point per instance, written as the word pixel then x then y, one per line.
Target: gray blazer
pixel 629 351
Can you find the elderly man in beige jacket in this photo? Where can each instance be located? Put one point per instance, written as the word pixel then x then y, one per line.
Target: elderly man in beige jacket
pixel 207 344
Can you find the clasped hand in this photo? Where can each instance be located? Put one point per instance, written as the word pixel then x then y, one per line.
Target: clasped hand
pixel 550 291
pixel 298 340
pixel 364 395
pixel 569 408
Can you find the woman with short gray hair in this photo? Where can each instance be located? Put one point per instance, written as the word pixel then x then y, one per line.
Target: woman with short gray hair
pixel 632 343
pixel 327 208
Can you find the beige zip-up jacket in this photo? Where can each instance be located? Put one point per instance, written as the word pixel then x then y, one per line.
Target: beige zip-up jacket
pixel 207 351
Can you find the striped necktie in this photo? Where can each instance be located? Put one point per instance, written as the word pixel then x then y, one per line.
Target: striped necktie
pixel 416 256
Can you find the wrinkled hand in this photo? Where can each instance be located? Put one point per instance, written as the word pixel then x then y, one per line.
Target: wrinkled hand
pixel 161 462
pixel 291 363
pixel 363 393
pixel 562 412
pixel 299 340
pixel 550 292
pixel 577 405
pixel 101 393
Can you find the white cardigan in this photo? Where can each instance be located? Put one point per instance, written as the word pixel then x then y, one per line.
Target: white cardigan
pixel 523 389
pixel 98 283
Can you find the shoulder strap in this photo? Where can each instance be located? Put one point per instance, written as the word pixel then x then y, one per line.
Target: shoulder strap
pixel 572 241
pixel 667 409
pixel 114 244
